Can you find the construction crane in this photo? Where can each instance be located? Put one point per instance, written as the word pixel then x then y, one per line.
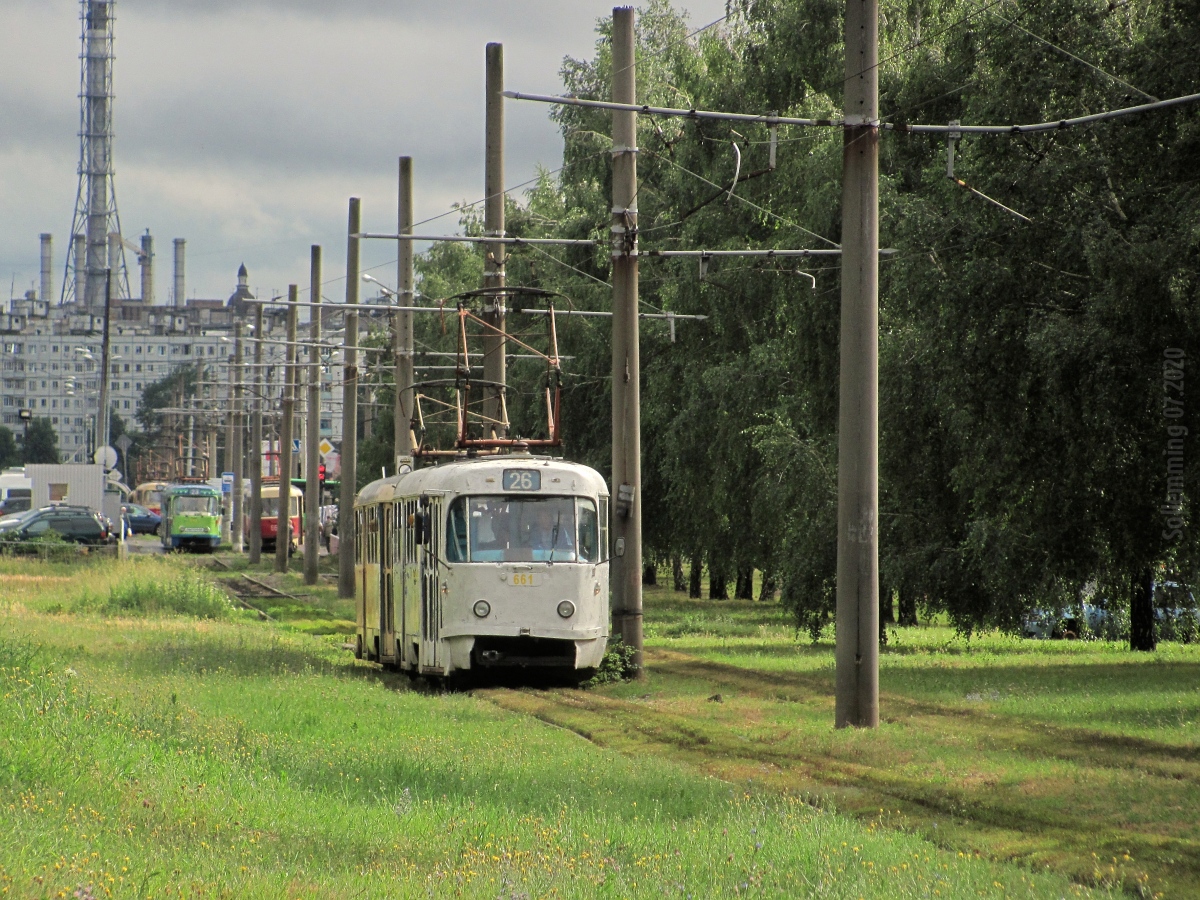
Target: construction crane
pixel 145 258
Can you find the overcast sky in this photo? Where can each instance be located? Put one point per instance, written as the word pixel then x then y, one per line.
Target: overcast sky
pixel 245 125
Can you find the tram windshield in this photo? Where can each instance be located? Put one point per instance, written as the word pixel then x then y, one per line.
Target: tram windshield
pixel 523 529
pixel 193 506
pixel 270 506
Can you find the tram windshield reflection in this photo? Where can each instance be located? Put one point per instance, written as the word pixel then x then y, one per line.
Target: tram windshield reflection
pixel 522 529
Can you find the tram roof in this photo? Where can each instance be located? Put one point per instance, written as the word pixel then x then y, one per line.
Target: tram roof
pixel 195 488
pixel 484 475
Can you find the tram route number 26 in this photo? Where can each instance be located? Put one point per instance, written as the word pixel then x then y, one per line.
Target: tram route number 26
pixel 522 480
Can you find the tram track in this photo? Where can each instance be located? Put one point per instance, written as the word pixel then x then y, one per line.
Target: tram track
pixel 748 727
pixel 250 592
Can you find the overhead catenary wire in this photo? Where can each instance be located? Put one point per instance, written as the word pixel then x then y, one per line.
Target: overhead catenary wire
pixel 903 127
pixel 1070 55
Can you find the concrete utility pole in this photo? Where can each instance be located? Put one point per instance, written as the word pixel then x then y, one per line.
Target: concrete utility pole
pixel 349 474
pixel 857 648
pixel 493 226
pixel 626 389
pixel 256 435
pixel 239 435
pixel 105 354
pixel 404 320
pixel 312 434
pixel 283 530
pixel 226 461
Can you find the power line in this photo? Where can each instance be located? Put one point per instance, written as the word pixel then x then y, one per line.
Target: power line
pixel 1032 128
pixel 1071 55
pixel 742 199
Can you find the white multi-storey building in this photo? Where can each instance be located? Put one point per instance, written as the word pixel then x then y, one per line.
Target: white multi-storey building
pixel 50 358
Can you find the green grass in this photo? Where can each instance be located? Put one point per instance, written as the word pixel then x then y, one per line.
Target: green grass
pixel 170 756
pixel 1081 757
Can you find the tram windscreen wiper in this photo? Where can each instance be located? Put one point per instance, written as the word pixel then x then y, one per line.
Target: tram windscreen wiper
pixel 554 535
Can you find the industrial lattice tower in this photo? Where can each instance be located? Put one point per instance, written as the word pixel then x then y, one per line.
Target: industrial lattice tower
pixel 91 253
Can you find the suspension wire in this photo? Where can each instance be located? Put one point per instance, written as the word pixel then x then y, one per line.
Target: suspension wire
pixel 742 199
pixel 1071 55
pixel 1033 128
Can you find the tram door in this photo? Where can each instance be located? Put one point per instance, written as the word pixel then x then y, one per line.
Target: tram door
pixel 387 604
pixel 410 583
pixel 431 598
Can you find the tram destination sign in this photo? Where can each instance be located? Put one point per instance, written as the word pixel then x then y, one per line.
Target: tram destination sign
pixel 522 480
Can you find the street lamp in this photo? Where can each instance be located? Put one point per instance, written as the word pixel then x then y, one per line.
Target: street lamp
pixel 26 416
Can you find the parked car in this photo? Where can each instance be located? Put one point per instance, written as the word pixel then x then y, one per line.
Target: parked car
pixel 74 523
pixel 12 505
pixel 1064 622
pixel 140 520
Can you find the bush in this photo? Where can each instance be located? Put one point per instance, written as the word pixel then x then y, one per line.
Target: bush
pixel 186 594
pixel 617 664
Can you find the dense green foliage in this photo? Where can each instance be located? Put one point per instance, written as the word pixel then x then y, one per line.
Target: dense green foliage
pixel 1031 389
pixel 10 455
pixel 41 443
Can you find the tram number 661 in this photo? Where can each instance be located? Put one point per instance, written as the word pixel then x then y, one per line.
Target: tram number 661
pixel 522 480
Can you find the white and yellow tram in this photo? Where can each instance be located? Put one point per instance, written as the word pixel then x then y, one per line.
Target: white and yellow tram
pixel 498 561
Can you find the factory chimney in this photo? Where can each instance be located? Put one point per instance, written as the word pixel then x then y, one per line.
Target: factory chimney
pixel 47 264
pixel 147 261
pixel 180 297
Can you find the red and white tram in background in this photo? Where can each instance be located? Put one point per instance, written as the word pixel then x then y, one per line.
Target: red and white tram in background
pixel 269 522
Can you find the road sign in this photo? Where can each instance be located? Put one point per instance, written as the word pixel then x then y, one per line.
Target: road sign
pixel 123 443
pixel 226 482
pixel 106 456
pixel 325 447
pixel 295 445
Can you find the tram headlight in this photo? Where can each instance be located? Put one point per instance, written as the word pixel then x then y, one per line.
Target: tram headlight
pixel 481 608
pixel 566 609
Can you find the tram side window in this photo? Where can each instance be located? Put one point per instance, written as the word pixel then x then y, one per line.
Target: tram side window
pixel 603 528
pixel 589 539
pixel 456 532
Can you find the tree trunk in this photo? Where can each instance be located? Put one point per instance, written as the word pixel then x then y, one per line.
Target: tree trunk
pixel 766 593
pixel 694 578
pixel 650 574
pixel 908 608
pixel 887 611
pixel 717 589
pixel 1141 611
pixel 745 585
pixel 677 581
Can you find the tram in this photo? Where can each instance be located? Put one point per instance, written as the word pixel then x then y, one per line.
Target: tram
pixel 268 524
pixel 191 517
pixel 485 563
pixel 149 495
